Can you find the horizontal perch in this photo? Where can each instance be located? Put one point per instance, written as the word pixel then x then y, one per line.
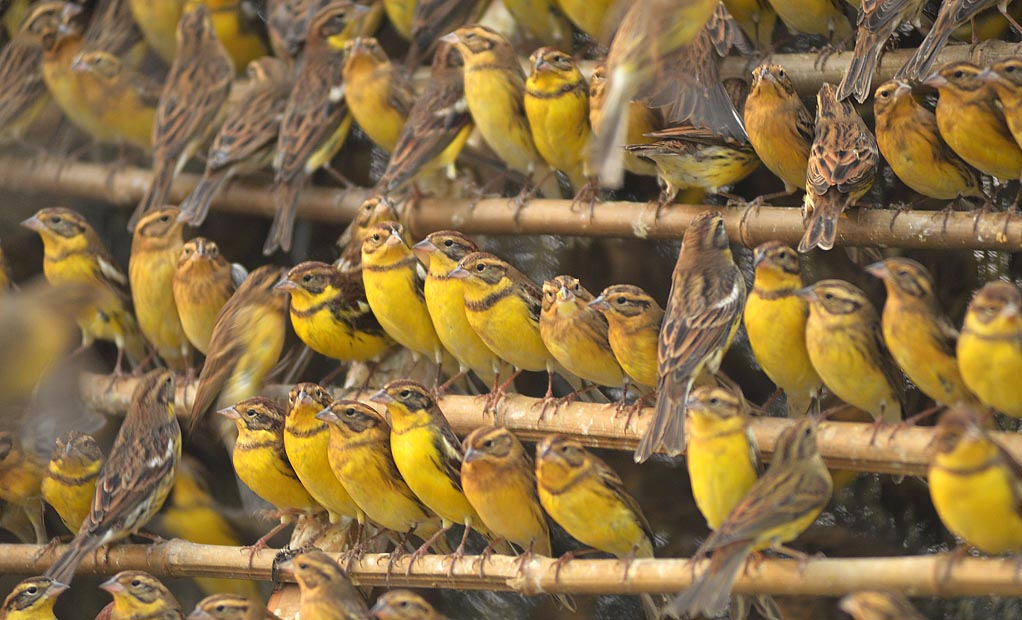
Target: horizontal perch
pixel 913 575
pixel 863 227
pixel 844 445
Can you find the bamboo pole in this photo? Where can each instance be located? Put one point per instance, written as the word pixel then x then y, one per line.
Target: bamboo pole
pixel 913 575
pixel 844 445
pixel 124 186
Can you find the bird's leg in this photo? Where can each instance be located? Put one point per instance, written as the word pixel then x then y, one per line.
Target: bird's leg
pixel 51 545
pixel 957 555
pixel 567 557
pixel 588 194
pixel 440 390
pixel 340 178
pixel 263 541
pixel 548 398
pixel 499 392
pixel 528 193
pixel 398 552
pixel 425 547
pixel 458 553
pixel 486 553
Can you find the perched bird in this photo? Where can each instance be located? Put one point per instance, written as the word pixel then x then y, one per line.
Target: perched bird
pixel 775 320
pixel 378 92
pixel 60 47
pixel 158 20
pixel 245 141
pixel 499 480
pixel 842 164
pixel 316 119
pixel 438 124
pixel 557 109
pixel 972 123
pixel 910 142
pixel 73 254
pixel 642 120
pixel 975 484
pixel 139 595
pixel 326 591
pixel 433 18
pixel 21 478
pixel 879 605
pixel 990 347
pixel 287 24
pixel 403 605
pixel 123 99
pixel 247 340
pixel 360 457
pixel 137 475
pixel 544 20
pixel 824 18
pixel 229 607
pixel 846 347
pixel 703 313
pixel 24 92
pixel 919 336
pixel 593 17
pixel 952 14
pixel 756 18
pixel 203 282
pixel 441 251
pixel 156 246
pixel 191 104
pixel 878 21
pixel 1005 77
pixel 371 212
pixel 778 507
pixel 70 481
pixel 634 319
pixel 32 599
pixel 780 127
pixel 237 26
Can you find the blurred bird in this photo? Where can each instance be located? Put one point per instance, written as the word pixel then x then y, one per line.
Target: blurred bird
pixel 952 14
pixel 775 320
pixel 399 14
pixel 316 119
pixel 824 18
pixel 378 92
pixel 203 282
pixel 230 607
pixel 642 121
pixel 757 20
pixel 778 507
pixel 372 211
pixel 191 104
pixel 73 254
pixel 60 47
pixel 842 164
pixel 237 26
pixel 879 605
pixel 634 319
pixel 975 484
pixel 780 127
pixel 847 349
pixel 1005 77
pixel 70 481
pixel 287 24
pixel 24 94
pixel 21 478
pixel 158 21
pixel 703 313
pixel 123 100
pixel 330 313
pixel 432 19
pixel 32 599
pixel 990 347
pixel 155 247
pixel 544 20
pixel 593 17
pixel 499 481
pixel 245 141
pixel 6 283
pixel 139 596
pixel 911 144
pixel 247 339
pixel 326 591
pixel 404 605
pixel 919 336
pixel 878 21
pixel 137 476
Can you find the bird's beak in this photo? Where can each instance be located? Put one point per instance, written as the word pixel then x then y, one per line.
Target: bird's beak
pixel 58 587
pixel 79 65
pixel 33 223
pixel 758 256
pixel 540 64
pixel 458 273
pixel 451 37
pixel 327 416
pixel 935 81
pixel 199 614
pixel 564 294
pixel 111 586
pixel 423 249
pixel 1011 311
pixel 382 397
pixel 394 239
pixel 302 398
pixel 471 455
pixel 807 294
pixel 285 285
pixel 903 88
pixel 231 413
pixel 763 74
pixel 600 303
pixel 987 75
pixel 542 450
pixel 878 269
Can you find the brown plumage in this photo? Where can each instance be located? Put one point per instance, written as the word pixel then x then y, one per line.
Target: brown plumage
pixel 878 20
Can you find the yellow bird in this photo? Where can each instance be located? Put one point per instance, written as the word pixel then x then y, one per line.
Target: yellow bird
pixel 780 127
pixel 634 319
pixel 32 599
pixel 138 596
pixel 825 18
pixel 404 605
pixel 203 282
pixel 399 14
pixel 378 92
pixel 1005 77
pixel 879 605
pixel 157 19
pixel 543 19
pixel 237 27
pixel 230 607
pixel 371 212
pixel 21 478
pixel 70 481
pixel 123 99
pixel 990 347
pixel 326 591
pixel 642 120
pixel 756 18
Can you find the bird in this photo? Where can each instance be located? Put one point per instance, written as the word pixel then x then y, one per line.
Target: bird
pixel 360 457
pixel 287 26
pixel 441 251
pixel 843 162
pixel 229 607
pixel 911 143
pixel 775 321
pixel 238 27
pixel 974 484
pixel 326 591
pixel 433 18
pixel 634 319
pixel 824 18
pixel 330 313
pixel 32 599
pixel 916 331
pixel 316 119
pixel 778 507
pixel 642 120
pixel 372 211
pixel 499 480
pixel 24 92
pixel 203 282
pixel 403 605
pixel 780 128
pixel 158 20
pixel 990 347
pixel 952 14
pixel 70 481
pixel 137 476
pixel 879 605
pixel 702 315
pixel 192 103
pixel 74 254
pixel 756 18
pixel 246 343
pixel 245 141
pixel 123 99
pixel 544 20
pixel 138 595
pixel 21 478
pixel 878 21
pixel 846 347
pixel 155 248
pixel 1005 77
pixel 378 92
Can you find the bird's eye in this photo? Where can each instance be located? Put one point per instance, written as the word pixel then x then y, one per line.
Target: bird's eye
pixel 782 73
pixel 307 278
pixel 32 590
pixel 958 73
pixel 480 267
pixel 621 301
pixel 56 219
pixel 220 608
pixel 828 295
pixel 250 413
pixel 403 604
pixel 350 412
pixel 303 565
pixel 405 393
pixel 376 236
pixel 488 443
pixel 136 583
pixel 714 401
pixel 165 218
pixel 449 242
pixel 902 273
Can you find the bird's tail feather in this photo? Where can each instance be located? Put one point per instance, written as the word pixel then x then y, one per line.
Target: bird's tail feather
pixel 709 593
pixel 282 229
pixel 195 208
pixel 63 570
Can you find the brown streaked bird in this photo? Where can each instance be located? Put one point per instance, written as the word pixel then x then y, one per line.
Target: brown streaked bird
pixel 634 319
pixel 879 605
pixel 432 19
pixel 137 476
pixel 878 21
pixel 244 142
pixel 140 596
pixel 842 164
pixel 287 24
pixel 32 599
pixel 371 212
pixel 404 605
pixel 780 127
pixel 230 607
pixel 326 591
pixel 203 282
pixel 24 92
pixel 702 315
pixel 378 92
pixel 1005 77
